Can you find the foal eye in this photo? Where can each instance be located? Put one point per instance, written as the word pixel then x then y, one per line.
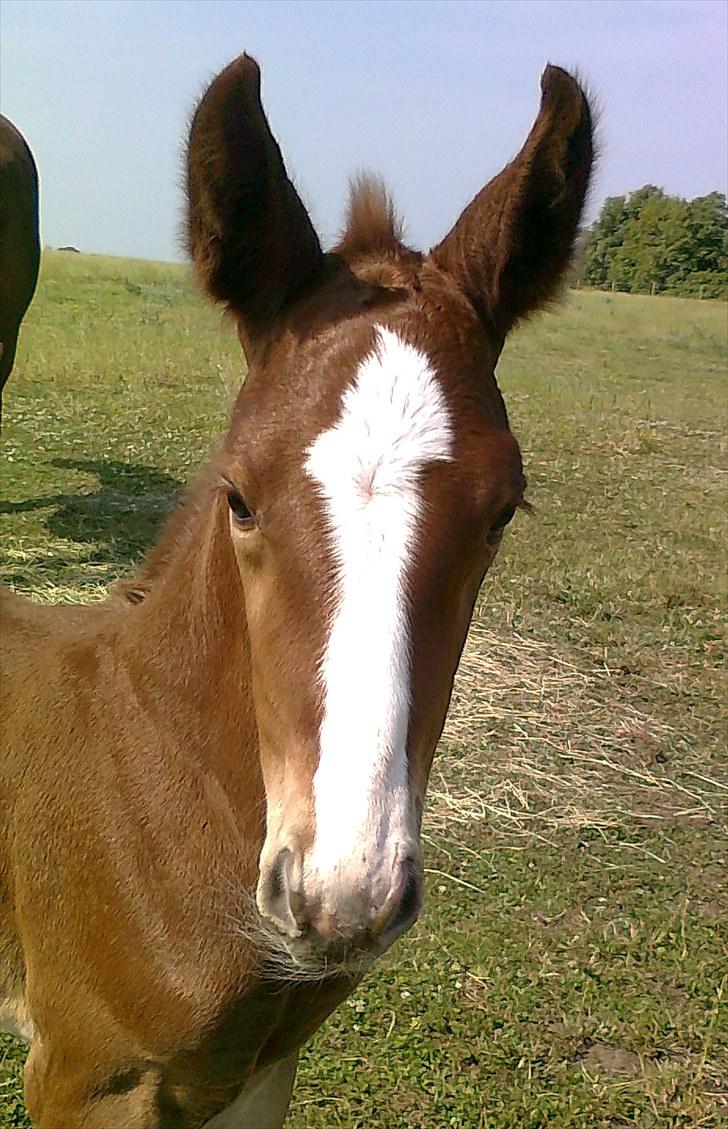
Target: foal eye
pixel 239 510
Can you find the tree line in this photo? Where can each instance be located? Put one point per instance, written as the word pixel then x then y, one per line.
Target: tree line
pixel 650 243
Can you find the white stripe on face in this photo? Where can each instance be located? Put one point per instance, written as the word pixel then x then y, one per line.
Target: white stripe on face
pixel 394 421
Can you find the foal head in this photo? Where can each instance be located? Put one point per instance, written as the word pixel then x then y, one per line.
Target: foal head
pixel 369 473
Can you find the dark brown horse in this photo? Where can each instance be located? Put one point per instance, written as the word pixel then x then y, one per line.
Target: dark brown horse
pixel 19 239
pixel 212 795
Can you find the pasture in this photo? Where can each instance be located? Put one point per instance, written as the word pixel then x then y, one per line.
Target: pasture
pixel 569 967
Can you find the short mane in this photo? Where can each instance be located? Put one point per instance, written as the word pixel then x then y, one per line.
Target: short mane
pixel 372 224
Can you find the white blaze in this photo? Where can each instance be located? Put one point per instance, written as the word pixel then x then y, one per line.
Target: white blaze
pixel 394 421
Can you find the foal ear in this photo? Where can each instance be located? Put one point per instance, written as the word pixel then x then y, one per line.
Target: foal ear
pixel 248 233
pixel 511 246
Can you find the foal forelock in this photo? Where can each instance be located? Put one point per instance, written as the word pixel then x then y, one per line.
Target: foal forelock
pixel 394 421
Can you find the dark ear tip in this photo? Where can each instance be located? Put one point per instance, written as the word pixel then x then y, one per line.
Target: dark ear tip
pixel 247 67
pixel 236 88
pixel 558 84
pixel 563 98
pixel 242 72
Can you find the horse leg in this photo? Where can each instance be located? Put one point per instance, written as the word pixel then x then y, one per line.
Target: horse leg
pixel 8 343
pixel 263 1102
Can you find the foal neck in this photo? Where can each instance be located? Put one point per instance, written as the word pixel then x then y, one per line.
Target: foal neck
pixel 187 641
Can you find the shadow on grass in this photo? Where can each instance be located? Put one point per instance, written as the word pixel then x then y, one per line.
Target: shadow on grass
pixel 120 519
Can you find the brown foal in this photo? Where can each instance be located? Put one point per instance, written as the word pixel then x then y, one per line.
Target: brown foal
pixel 212 788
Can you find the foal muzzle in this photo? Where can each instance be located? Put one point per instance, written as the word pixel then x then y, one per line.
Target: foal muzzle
pixel 369 916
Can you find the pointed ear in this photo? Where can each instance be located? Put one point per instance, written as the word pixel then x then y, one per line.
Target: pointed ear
pixel 248 233
pixel 513 243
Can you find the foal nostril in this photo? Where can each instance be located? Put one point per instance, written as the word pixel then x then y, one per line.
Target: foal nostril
pixel 275 894
pixel 409 907
pixel 405 902
pixel 276 885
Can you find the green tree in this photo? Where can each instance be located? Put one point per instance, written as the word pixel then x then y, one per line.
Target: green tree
pixel 649 242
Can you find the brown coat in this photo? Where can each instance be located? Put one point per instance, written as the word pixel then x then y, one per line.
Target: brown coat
pixel 159 748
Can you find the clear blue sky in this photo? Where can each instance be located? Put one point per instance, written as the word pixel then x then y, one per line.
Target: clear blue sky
pixel 436 96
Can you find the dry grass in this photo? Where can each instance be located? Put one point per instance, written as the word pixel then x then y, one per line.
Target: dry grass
pixel 534 745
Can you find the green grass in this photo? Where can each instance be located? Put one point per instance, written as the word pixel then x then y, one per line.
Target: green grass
pixel 569 969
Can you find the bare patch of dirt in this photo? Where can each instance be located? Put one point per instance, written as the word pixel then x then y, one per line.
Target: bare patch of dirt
pixel 601 1058
pixel 707 908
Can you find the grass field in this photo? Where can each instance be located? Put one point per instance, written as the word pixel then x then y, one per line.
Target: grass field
pixel 570 967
